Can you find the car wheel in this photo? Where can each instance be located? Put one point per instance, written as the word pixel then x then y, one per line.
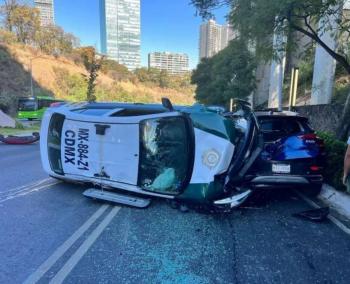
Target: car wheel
pixel 312 190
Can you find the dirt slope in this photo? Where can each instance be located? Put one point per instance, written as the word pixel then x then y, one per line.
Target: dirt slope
pixel 15 77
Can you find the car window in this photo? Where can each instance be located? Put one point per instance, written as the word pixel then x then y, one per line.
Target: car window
pixel 164 154
pixel 136 112
pixel 276 128
pixel 54 142
pixel 27 105
pixel 92 111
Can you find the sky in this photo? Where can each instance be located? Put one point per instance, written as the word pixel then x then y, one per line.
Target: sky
pixel 166 25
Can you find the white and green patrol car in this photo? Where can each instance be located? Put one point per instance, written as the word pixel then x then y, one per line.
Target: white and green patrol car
pixel 131 151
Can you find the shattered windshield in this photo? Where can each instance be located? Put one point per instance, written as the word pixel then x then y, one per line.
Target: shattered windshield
pixel 165 155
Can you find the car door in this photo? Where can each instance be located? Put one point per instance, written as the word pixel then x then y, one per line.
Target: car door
pixel 248 149
pixel 101 150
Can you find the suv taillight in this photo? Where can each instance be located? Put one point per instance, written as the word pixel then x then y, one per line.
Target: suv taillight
pixel 309 136
pixel 313 138
pixel 315 168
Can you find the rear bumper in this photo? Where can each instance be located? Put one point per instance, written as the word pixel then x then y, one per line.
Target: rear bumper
pixel 284 180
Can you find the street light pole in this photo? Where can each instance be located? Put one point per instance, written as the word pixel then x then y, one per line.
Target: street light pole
pixel 31 80
pixel 31 75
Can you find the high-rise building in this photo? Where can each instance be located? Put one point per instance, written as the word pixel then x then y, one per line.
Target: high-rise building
pixel 227 34
pixel 47 13
pixel 120 31
pixel 173 63
pixel 210 39
pixel 214 38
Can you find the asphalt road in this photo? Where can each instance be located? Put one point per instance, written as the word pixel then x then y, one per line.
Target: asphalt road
pixel 50 232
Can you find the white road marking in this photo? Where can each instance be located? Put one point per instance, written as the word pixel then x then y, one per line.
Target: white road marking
pixel 27 190
pixel 61 250
pixel 75 258
pixel 36 183
pixel 333 219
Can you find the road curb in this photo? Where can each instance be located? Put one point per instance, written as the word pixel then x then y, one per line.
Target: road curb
pixel 336 200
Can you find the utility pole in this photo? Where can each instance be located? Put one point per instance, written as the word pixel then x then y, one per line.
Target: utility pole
pixel 31 75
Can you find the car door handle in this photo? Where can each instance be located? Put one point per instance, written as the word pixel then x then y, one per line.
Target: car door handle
pixel 101 129
pixel 102 174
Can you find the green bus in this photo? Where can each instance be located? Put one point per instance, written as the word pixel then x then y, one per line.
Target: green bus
pixel 34 107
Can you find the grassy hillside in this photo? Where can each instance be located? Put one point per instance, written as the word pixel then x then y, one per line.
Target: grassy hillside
pixel 63 78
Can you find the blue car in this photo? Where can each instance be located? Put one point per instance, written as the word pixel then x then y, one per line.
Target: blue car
pixel 293 155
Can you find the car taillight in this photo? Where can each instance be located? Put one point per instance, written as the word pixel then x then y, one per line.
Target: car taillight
pixel 315 168
pixel 309 136
pixel 312 138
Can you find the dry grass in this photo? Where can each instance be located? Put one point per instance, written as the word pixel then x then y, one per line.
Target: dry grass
pixel 44 75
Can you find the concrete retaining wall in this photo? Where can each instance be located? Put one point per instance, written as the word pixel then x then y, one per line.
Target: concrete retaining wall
pixel 322 117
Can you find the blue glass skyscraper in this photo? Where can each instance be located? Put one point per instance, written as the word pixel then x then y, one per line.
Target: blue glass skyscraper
pixel 121 31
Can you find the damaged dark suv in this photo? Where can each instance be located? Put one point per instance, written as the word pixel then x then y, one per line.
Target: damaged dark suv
pixel 293 155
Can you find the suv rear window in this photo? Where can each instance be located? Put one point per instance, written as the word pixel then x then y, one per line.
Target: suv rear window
pixel 274 128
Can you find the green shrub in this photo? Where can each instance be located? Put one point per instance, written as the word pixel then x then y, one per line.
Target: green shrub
pixel 335 151
pixel 341 92
pixel 7 103
pixel 19 125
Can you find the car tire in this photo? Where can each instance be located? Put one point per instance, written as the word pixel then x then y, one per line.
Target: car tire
pixel 312 190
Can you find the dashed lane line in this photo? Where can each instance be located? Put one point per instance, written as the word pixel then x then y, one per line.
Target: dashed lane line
pixel 61 250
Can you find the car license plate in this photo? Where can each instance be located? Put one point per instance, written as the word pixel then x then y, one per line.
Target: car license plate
pixel 280 169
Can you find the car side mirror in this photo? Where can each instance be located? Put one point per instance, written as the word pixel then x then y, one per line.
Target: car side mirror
pixel 167 104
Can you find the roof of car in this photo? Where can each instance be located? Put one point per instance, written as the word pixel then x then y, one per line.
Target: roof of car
pixel 156 108
pixel 107 105
pixel 270 113
pixel 124 109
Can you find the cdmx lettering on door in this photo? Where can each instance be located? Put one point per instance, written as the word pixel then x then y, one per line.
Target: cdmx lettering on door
pixel 76 148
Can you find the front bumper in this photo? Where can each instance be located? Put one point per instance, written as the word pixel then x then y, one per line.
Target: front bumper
pixel 233 201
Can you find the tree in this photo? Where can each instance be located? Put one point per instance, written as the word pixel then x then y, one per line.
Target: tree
pixel 257 19
pixel 6 10
pixel 94 68
pixel 68 86
pixel 7 37
pixel 25 23
pixel 228 74
pixel 115 70
pixel 87 53
pixel 148 75
pixel 53 40
pixel 164 79
pixel 92 62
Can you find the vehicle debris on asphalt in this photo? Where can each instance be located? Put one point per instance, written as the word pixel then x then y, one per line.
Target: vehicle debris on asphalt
pixel 315 215
pixel 20 140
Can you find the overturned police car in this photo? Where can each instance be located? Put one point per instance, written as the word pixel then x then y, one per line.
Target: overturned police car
pixel 132 152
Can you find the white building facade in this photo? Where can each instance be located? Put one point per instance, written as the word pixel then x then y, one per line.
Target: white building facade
pixel 121 31
pixel 47 12
pixel 214 38
pixel 173 63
